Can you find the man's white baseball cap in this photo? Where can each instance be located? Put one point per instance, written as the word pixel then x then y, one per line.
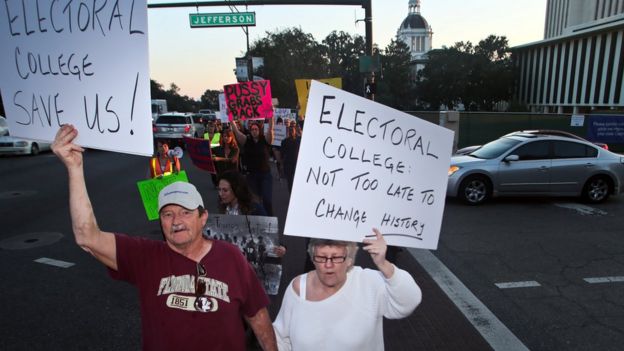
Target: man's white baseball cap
pixel 180 193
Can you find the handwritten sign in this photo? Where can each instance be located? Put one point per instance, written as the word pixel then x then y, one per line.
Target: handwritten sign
pixel 255 236
pixel 201 154
pixel 303 89
pixel 222 113
pixel 282 112
pixel 279 134
pixel 77 62
pixel 149 190
pixel 249 100
pixel 363 165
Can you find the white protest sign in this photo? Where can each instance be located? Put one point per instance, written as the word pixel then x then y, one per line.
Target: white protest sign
pixel 83 63
pixel 222 114
pixel 281 112
pixel 279 133
pixel 363 165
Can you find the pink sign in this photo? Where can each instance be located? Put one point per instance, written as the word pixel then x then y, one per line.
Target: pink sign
pixel 249 100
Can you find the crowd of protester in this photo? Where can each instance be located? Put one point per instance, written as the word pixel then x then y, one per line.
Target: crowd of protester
pixel 334 290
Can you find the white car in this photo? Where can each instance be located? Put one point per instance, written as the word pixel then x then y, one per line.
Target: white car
pixel 17 146
pixel 4 126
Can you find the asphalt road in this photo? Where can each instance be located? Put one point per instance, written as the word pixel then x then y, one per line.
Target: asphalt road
pixel 566 258
pixel 551 246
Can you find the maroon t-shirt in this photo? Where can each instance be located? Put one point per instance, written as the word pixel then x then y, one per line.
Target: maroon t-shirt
pixel 171 317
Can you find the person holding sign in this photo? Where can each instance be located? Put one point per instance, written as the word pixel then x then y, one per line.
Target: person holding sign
pixel 214 136
pixel 164 162
pixel 340 307
pixel 256 148
pixel 195 292
pixel 290 153
pixel 225 156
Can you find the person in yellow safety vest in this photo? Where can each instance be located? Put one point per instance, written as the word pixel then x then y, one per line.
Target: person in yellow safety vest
pixel 163 164
pixel 213 135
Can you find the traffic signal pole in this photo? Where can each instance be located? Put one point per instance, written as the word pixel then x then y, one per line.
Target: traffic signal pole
pixel 368 21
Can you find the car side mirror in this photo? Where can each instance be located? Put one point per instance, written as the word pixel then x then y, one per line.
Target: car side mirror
pixel 511 158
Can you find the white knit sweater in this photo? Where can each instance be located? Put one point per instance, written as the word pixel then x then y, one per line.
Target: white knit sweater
pixel 352 318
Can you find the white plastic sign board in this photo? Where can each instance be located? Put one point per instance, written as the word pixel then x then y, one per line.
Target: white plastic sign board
pixel 222 114
pixel 77 62
pixel 363 165
pixel 279 134
pixel 281 112
pixel 577 120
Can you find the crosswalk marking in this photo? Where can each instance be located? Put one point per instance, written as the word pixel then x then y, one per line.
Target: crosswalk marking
pixel 490 327
pixel 598 280
pixel 53 262
pixel 582 209
pixel 512 285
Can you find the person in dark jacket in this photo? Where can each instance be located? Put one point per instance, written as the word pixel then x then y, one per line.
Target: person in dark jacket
pixel 256 147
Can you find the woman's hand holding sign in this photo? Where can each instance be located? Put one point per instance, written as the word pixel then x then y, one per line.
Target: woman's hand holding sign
pixel 377 249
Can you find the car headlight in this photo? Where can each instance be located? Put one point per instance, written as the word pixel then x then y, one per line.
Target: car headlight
pixel 452 170
pixel 21 143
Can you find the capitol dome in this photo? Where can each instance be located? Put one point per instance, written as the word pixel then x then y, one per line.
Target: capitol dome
pixel 415 21
pixel 416 33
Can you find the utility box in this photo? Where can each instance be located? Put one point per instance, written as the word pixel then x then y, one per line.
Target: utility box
pixel 451 116
pixel 450 120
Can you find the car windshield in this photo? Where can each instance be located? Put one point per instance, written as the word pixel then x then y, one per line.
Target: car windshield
pixel 494 148
pixel 164 119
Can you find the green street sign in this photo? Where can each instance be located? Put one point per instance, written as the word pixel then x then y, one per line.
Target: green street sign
pixel 199 20
pixel 370 64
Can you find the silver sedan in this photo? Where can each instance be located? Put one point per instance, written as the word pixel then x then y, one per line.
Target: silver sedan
pixel 529 164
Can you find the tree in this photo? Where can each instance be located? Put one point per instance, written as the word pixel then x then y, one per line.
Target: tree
pixel 443 79
pixel 341 51
pixel 210 99
pixel 478 76
pixel 175 102
pixel 395 87
pixel 288 55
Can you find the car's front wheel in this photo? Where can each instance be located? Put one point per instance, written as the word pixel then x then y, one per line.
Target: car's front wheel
pixel 475 190
pixel 34 149
pixel 596 190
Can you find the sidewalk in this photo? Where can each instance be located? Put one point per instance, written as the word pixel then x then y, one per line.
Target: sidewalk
pixel 437 324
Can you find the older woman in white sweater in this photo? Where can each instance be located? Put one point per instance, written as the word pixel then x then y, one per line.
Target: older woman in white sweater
pixel 341 307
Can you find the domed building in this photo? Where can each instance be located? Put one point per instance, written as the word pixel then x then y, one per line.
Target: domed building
pixel 417 34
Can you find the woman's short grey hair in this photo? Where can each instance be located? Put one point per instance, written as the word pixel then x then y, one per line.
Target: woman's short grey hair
pixel 352 247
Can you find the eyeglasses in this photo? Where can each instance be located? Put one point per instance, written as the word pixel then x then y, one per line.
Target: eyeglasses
pixel 202 304
pixel 323 259
pixel 200 284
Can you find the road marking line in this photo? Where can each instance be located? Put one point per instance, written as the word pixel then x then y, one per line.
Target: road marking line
pixel 56 263
pixel 490 327
pixel 512 285
pixel 598 280
pixel 582 209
